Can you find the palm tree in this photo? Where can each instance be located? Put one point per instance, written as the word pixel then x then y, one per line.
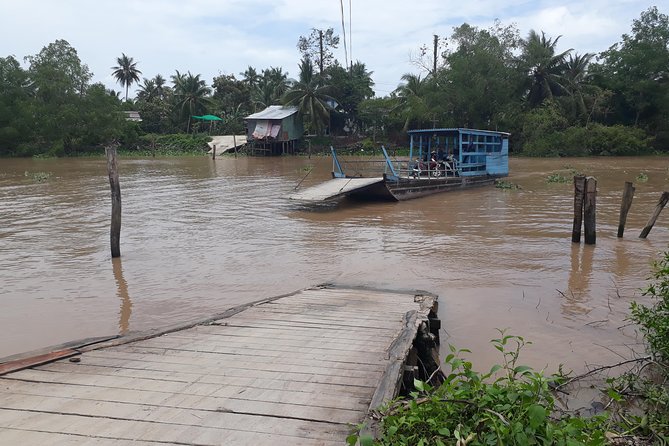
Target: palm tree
pixel 576 79
pixel 270 87
pixel 310 96
pixel 250 77
pixel 544 67
pixel 147 90
pixel 191 94
pixel 411 95
pixel 126 72
pixel 161 89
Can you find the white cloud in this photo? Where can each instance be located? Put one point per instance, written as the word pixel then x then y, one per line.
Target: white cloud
pixel 214 36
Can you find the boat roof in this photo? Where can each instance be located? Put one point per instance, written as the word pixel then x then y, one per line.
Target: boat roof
pixel 457 129
pixel 274 112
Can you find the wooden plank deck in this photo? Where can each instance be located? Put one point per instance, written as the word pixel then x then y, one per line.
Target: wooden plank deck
pixel 301 369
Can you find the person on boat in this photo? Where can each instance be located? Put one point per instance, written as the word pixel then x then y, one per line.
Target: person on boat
pixel 434 164
pixel 416 168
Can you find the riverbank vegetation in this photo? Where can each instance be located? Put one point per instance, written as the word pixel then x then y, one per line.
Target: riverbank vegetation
pixel 554 101
pixel 513 404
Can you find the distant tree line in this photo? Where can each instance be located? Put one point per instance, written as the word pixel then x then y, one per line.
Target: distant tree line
pixel 553 103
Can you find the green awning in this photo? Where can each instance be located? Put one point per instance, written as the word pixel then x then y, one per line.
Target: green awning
pixel 208 118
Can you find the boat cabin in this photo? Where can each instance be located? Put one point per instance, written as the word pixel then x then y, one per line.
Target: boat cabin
pixel 469 152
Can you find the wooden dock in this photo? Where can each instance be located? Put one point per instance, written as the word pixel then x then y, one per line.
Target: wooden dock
pixel 301 369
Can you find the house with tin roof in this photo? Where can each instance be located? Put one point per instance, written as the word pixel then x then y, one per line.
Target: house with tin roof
pixel 276 130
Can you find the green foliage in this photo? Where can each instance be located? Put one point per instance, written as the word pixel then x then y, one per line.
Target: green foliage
pixel 654 320
pixel 169 145
pixel 546 134
pixel 642 177
pixel 506 185
pixel 510 405
pixel 38 177
pixel 542 130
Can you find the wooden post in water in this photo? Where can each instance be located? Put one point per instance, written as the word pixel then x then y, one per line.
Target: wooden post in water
pixel 628 195
pixel 589 211
pixel 234 143
pixel 660 205
pixel 115 229
pixel 213 153
pixel 579 193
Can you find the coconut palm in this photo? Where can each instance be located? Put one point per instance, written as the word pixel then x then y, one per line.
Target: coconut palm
pixel 147 90
pixel 126 72
pixel 576 80
pixel 191 94
pixel 544 66
pixel 270 87
pixel 310 96
pixel 411 95
pixel 250 77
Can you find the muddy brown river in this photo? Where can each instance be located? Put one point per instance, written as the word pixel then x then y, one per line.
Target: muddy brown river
pixel 200 236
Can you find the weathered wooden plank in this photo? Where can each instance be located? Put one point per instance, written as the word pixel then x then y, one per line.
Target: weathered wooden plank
pixel 213 364
pixel 228 335
pixel 296 369
pixel 198 388
pixel 219 413
pixel 194 373
pixel 314 353
pixel 11 436
pixel 148 431
pixel 270 334
pixel 20 364
pixel 234 346
pixel 318 396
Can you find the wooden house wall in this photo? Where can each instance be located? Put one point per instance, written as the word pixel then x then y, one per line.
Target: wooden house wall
pixel 291 127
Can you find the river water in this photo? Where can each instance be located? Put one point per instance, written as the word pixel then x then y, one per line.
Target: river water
pixel 200 236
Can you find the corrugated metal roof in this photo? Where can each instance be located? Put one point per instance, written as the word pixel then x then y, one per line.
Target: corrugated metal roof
pixel 459 129
pixel 274 112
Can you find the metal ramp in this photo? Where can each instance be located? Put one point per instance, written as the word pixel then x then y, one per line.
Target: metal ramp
pixel 334 188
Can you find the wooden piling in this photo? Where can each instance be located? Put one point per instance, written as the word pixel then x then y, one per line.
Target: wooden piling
pixel 115 228
pixel 213 152
pixel 589 211
pixel 628 195
pixel 651 222
pixel 579 193
pixel 234 143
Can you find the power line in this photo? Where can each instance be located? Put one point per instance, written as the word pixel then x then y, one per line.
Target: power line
pixel 343 28
pixel 350 30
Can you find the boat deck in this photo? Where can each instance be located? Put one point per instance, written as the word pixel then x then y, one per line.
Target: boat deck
pixel 300 369
pixel 334 188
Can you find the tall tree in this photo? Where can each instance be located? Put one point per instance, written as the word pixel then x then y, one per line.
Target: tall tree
pixel 270 88
pixel 544 66
pixel 637 71
pixel 191 95
pixel 60 81
pixel 350 87
pixel 576 82
pixel 126 72
pixel 250 76
pixel 318 47
pixel 310 96
pixel 473 89
pixel 411 96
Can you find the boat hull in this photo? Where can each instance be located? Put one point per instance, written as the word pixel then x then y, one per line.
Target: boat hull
pixel 409 188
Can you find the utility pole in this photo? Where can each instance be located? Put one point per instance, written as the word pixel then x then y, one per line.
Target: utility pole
pixel 320 45
pixel 436 46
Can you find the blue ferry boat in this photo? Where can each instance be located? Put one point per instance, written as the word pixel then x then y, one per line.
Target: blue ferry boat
pixel 439 160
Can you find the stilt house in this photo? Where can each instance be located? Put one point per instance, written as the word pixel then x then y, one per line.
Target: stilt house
pixel 276 130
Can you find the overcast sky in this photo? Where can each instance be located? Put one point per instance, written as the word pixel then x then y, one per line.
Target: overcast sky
pixel 211 37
